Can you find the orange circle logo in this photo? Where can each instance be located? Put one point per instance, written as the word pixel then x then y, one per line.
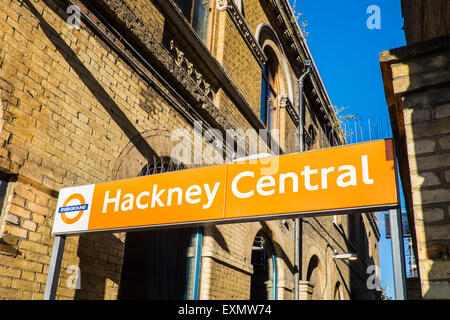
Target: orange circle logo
pixel 80 208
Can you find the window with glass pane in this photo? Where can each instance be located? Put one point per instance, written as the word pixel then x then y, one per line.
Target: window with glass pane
pixel 161 264
pixel 269 91
pixel 158 265
pixel 197 13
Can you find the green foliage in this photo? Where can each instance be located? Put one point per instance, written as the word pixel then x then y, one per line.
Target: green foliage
pixel 340 118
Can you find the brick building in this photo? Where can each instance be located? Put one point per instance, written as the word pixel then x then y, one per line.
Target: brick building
pixel 98 99
pixel 416 80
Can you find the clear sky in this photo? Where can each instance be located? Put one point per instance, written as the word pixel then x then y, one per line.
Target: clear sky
pixel 346 53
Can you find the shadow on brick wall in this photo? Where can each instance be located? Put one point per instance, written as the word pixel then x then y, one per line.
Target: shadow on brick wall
pixel 91 82
pixel 100 254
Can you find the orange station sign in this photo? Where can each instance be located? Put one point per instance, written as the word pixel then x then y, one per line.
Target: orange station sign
pixel 339 180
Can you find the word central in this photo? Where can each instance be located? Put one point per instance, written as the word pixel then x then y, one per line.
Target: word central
pixel 346 176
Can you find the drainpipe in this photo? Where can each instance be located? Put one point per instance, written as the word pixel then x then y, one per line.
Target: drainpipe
pixel 298 222
pixel 301 105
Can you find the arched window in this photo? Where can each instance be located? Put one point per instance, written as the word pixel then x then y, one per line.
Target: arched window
pixel 270 91
pixel 338 292
pixel 314 276
pixel 264 277
pixel 276 84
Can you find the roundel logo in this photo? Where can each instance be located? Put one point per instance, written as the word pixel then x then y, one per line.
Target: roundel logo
pixel 80 208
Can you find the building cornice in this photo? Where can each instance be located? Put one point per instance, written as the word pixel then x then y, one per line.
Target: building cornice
pixel 198 90
pixel 214 69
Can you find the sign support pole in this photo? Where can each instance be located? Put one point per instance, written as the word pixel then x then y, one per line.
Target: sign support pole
pixel 55 267
pixel 398 250
pixel 398 257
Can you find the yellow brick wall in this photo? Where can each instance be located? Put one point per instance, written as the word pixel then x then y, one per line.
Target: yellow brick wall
pixel 255 13
pixel 237 60
pixel 152 17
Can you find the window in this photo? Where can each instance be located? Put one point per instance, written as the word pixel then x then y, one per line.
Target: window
pixel 338 292
pixel 269 91
pixel 197 13
pixel 161 264
pixel 264 277
pixel 314 276
pixel 3 187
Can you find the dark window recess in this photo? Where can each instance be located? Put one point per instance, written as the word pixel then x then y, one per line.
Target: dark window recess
pixel 269 91
pixel 263 279
pixel 159 264
pixel 3 187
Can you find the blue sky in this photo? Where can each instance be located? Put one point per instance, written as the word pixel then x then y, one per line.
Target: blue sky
pixel 346 53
